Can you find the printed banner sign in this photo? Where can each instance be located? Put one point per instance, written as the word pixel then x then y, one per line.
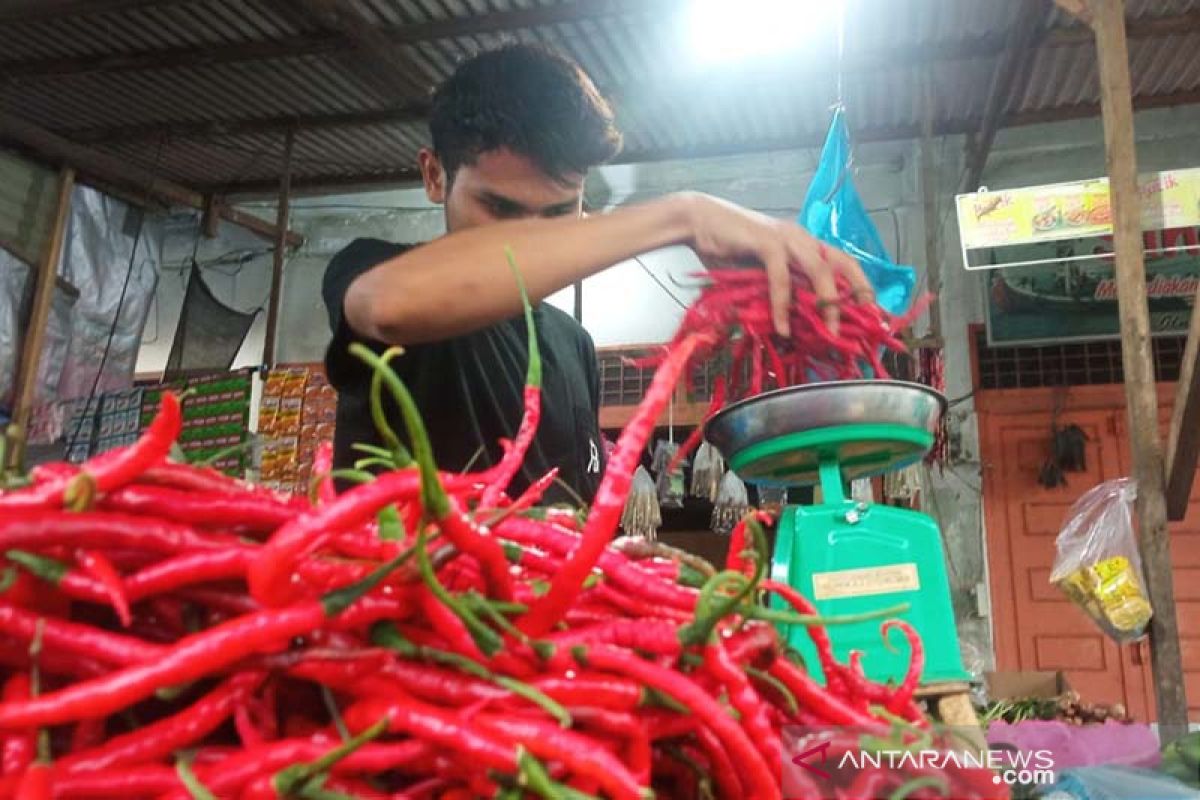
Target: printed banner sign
pixel 1073 210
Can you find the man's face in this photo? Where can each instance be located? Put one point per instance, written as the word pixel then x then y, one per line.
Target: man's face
pixel 501 185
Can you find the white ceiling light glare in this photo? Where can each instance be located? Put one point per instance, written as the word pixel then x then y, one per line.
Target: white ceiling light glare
pixel 729 31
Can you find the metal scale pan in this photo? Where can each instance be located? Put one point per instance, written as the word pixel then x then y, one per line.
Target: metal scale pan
pixel 866 427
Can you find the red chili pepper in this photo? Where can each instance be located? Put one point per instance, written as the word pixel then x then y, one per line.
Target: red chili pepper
pixel 19 747
pixel 146 780
pixel 735 557
pixel 243 512
pixel 755 644
pixel 109 470
pixel 88 733
pixel 550 742
pixel 100 568
pixel 826 706
pixel 271 572
pixel 624 574
pixel 430 724
pixel 160 739
pixel 183 570
pixel 610 496
pixel 818 634
pixel 37 782
pixel 75 638
pixel 513 457
pixel 724 772
pixel 916 665
pixel 445 509
pixel 14 654
pixel 206 480
pixel 759 776
pixel 745 700
pixel 23 529
pixel 325 492
pixel 188 659
pixel 648 635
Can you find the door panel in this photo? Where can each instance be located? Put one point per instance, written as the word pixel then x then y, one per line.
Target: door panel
pixel 1037 628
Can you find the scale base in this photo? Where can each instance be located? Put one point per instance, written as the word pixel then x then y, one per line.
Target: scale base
pixel 852 558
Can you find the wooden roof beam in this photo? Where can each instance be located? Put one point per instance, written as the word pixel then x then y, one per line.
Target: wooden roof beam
pixel 329 41
pixel 1010 78
pixel 380 62
pixel 40 10
pixel 320 184
pixel 106 168
pixel 984 46
pixel 417 111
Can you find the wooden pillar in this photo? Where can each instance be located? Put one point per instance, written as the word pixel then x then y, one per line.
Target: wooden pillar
pixel 280 255
pixel 1108 21
pixel 25 389
pixel 933 228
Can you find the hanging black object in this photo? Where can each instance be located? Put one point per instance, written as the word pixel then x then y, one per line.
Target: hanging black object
pixel 210 333
pixel 1068 448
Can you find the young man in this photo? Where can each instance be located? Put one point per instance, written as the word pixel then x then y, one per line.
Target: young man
pixel 515 131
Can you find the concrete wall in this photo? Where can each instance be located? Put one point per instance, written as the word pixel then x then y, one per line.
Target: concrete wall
pixel 625 305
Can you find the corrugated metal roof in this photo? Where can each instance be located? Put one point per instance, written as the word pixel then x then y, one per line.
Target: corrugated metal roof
pixel 145 80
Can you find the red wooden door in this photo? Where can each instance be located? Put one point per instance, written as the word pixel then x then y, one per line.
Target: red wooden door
pixel 1185 563
pixel 1035 626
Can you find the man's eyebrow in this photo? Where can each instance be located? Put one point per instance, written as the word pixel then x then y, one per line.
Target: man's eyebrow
pixel 565 206
pixel 502 201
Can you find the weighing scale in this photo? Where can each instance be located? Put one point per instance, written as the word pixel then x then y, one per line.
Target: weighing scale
pixel 847 556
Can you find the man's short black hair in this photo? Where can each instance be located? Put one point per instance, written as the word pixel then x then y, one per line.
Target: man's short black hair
pixel 526 98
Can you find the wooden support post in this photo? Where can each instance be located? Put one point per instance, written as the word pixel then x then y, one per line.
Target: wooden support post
pixel 280 255
pixel 210 221
pixel 25 389
pixel 933 228
pixel 1108 21
pixel 1183 442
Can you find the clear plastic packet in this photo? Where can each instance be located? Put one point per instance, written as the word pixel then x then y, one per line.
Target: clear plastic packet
pixel 1098 566
pixel 642 516
pixel 733 501
pixel 708 468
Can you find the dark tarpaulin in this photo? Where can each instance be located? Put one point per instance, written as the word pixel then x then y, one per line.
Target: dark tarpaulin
pixel 210 333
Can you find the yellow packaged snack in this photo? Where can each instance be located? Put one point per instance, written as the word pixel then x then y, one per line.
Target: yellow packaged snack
pixel 1098 566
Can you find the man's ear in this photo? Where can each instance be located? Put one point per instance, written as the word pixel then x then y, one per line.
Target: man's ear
pixel 433 175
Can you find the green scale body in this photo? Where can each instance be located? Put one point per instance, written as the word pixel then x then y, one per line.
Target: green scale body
pixel 851 557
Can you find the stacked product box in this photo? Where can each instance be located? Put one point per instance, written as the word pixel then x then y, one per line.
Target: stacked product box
pixel 120 419
pixel 216 418
pixel 79 433
pixel 317 420
pixel 297 413
pixel 280 418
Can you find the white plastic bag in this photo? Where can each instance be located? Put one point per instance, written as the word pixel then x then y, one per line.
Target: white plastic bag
pixel 1097 564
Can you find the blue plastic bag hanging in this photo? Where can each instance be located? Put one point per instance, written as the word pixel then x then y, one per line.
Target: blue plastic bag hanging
pixel 834 213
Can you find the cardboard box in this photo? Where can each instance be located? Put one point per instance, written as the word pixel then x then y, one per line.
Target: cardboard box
pixel 1021 684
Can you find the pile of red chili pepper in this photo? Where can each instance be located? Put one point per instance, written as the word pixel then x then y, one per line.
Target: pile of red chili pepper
pixel 734 311
pixel 166 631
pixel 733 316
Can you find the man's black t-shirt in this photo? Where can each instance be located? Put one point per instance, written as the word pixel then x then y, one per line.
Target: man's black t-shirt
pixel 470 388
